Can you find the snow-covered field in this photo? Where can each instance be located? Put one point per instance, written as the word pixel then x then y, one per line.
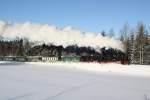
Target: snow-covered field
pixel 73 81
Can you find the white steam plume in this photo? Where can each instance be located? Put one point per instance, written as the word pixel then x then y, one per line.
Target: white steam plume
pixel 51 34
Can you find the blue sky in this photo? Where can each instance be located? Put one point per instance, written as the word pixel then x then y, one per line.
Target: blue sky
pixel 87 15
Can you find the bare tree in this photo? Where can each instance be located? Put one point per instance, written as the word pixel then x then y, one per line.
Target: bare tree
pixel 103 33
pixel 111 33
pixel 140 40
pixel 27 46
pixel 124 36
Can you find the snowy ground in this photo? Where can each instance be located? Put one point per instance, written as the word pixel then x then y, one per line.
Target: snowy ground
pixel 73 81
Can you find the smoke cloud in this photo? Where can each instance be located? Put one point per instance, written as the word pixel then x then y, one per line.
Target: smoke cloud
pixel 58 36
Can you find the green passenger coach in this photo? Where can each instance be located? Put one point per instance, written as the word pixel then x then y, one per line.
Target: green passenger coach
pixel 71 58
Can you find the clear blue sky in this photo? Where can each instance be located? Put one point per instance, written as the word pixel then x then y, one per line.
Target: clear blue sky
pixel 87 15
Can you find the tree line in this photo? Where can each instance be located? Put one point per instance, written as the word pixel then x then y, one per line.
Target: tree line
pixel 135 41
pixel 11 48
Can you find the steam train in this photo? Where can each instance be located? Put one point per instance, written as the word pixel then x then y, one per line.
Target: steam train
pixel 17 51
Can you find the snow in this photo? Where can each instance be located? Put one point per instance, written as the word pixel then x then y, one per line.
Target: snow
pixel 73 81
